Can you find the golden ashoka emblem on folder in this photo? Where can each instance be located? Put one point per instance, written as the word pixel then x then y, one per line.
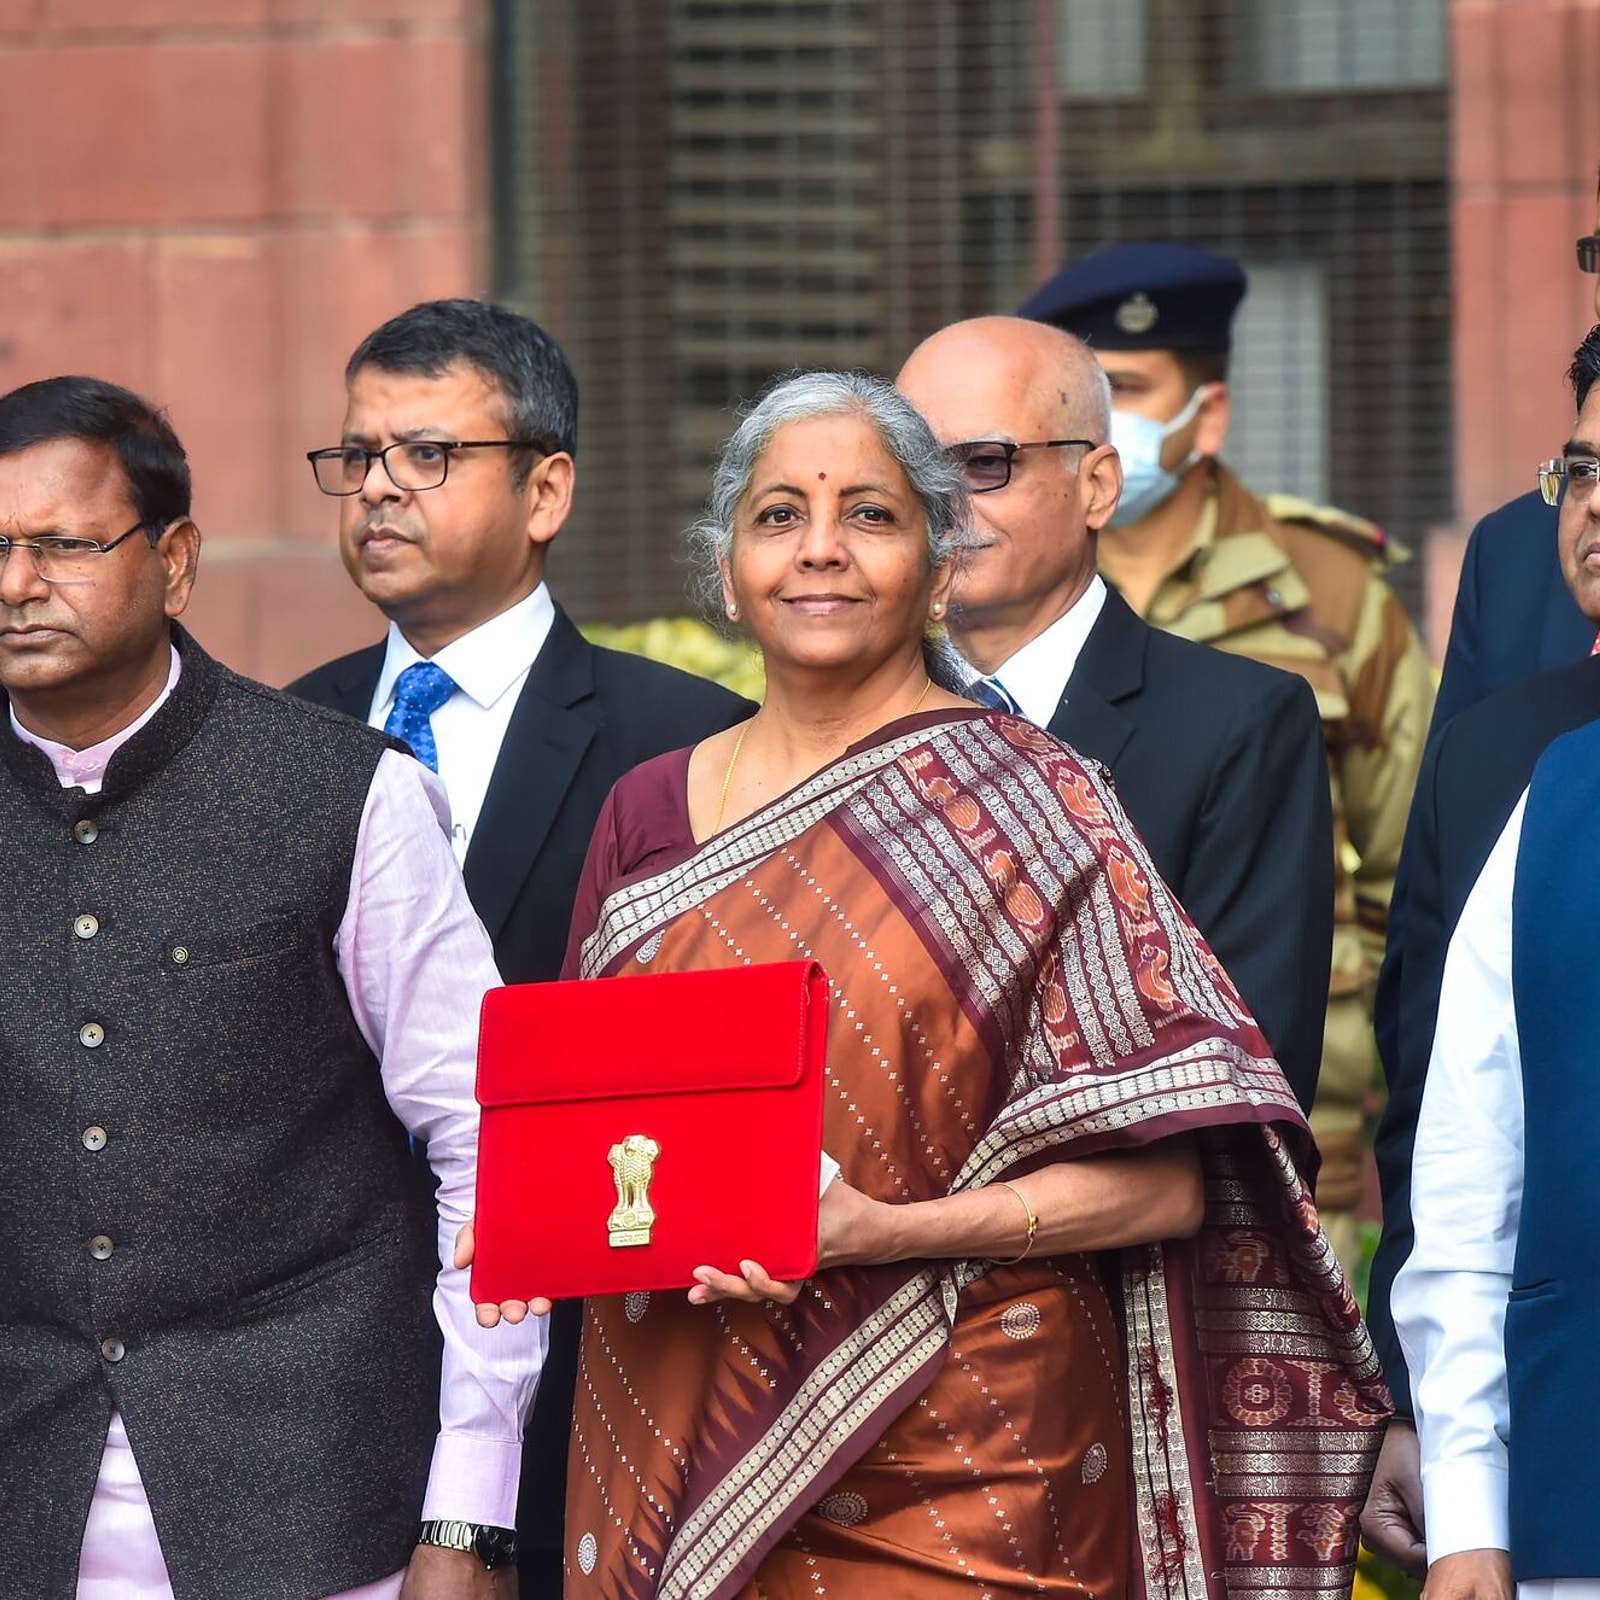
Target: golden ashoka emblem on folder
pixel 633 1165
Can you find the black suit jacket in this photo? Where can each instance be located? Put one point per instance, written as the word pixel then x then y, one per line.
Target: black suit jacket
pixel 585 716
pixel 1471 779
pixel 1220 764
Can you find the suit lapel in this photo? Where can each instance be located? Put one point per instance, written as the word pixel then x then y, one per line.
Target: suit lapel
pixel 1109 670
pixel 551 728
pixel 352 682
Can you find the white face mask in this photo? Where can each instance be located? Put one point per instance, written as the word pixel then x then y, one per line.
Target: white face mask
pixel 1140 441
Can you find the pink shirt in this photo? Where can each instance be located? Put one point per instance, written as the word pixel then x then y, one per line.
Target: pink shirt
pixel 415 962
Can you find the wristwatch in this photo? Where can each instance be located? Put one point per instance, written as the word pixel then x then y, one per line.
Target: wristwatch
pixel 494 1547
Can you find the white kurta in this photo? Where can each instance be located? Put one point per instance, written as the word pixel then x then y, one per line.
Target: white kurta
pixel 1449 1299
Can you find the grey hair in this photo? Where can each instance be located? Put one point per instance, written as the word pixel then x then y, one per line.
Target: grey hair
pixel 934 479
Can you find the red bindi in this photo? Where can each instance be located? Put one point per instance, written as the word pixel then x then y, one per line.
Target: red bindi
pixel 822 477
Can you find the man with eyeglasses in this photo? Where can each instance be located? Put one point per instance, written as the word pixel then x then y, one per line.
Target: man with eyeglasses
pixel 1498 1303
pixel 241 969
pixel 1522 608
pixel 454 475
pixel 1195 552
pixel 1217 759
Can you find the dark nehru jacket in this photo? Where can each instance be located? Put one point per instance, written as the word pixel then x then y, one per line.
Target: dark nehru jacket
pixel 208 1216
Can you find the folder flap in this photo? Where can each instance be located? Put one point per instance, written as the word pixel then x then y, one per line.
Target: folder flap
pixel 735 1028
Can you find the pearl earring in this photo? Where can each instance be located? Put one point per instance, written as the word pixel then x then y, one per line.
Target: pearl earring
pixel 733 613
pixel 938 608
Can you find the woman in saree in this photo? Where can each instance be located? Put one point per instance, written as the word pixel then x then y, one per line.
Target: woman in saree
pixel 1074 1328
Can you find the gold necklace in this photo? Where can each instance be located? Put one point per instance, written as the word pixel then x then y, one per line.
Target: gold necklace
pixel 727 777
pixel 738 745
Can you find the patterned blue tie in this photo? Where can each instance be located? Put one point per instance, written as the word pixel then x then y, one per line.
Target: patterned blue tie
pixel 991 692
pixel 419 691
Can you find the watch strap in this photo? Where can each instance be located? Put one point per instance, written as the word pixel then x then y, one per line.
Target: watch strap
pixel 494 1547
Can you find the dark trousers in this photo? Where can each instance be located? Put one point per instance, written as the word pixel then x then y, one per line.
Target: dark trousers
pixel 541 1505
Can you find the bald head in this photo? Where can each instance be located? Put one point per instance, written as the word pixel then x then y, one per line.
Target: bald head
pixel 1001 381
pixel 1029 380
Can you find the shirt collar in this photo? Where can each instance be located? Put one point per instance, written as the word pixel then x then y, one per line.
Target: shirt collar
pixel 484 663
pixel 1036 676
pixel 86 769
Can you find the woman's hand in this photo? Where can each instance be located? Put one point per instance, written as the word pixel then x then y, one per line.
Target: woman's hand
pixel 1096 1202
pixel 512 1311
pixel 751 1284
pixel 852 1230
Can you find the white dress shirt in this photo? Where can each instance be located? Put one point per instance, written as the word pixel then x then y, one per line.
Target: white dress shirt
pixel 1036 676
pixel 489 667
pixel 415 962
pixel 1449 1299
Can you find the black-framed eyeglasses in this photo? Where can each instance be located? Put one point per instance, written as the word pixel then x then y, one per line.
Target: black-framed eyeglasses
pixel 412 464
pixel 986 463
pixel 63 557
pixel 1582 472
pixel 1589 253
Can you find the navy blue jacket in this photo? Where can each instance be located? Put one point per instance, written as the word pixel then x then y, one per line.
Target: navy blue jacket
pixel 1514 615
pixel 1553 1318
pixel 1514 618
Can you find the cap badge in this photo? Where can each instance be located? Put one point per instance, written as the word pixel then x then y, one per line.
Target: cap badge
pixel 1138 315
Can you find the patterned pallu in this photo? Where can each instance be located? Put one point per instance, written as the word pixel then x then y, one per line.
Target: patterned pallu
pixel 1013 986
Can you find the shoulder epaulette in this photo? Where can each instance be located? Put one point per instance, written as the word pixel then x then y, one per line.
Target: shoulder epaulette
pixel 1365 536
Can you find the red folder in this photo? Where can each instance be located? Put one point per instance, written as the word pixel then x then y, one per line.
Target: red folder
pixel 637 1128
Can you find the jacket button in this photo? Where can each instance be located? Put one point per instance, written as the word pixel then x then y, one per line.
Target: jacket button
pixel 1274 597
pixel 180 955
pixel 86 926
pixel 113 1350
pixel 100 1247
pixel 94 1138
pixel 91 1035
pixel 85 832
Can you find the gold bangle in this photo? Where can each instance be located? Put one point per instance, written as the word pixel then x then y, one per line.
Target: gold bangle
pixel 1033 1227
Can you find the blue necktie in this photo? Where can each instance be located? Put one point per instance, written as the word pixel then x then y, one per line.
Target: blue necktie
pixel 419 691
pixel 991 692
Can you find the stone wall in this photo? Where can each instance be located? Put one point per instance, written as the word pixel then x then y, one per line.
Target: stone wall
pixel 212 201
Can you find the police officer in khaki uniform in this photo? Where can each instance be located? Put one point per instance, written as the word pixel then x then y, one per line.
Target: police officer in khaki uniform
pixel 1297 585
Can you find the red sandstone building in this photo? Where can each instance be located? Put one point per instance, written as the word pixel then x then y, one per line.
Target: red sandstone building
pixel 212 200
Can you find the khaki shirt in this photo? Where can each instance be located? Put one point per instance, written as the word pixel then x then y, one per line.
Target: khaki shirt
pixel 1302 587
